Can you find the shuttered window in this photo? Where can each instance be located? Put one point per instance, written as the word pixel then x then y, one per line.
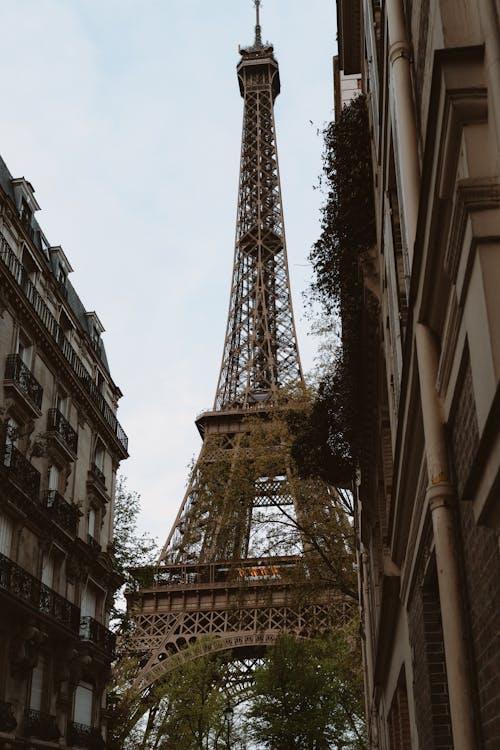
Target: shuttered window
pixel 36 693
pixel 48 570
pixel 53 478
pixel 88 605
pixel 6 527
pixel 92 522
pixel 82 712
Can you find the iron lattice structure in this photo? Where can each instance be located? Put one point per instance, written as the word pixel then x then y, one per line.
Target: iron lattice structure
pixel 223 581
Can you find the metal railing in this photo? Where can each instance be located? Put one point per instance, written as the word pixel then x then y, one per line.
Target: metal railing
pixel 40 725
pixel 19 373
pixel 18 582
pixel 7 719
pixel 62 512
pixel 57 422
pixel 95 632
pixel 21 471
pixel 82 735
pixel 20 275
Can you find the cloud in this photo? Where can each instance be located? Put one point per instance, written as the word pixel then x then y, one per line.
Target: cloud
pixel 126 117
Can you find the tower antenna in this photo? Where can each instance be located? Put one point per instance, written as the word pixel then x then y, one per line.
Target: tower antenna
pixel 258 34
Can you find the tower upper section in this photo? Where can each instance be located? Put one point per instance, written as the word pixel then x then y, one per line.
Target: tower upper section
pixel 260 349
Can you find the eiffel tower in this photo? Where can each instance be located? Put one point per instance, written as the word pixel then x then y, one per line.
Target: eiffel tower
pixel 217 575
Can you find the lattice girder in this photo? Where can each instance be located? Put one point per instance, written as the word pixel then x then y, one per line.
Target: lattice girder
pixel 260 350
pixel 225 615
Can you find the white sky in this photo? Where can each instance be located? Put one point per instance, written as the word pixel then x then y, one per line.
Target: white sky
pixel 125 115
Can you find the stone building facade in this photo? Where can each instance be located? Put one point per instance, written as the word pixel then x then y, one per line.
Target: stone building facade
pixel 60 446
pixel 429 491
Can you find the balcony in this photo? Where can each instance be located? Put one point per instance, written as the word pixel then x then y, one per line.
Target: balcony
pixel 40 725
pixel 54 330
pixel 21 472
pixel 96 633
pixel 63 513
pixel 81 735
pixel 7 719
pixel 19 583
pixel 98 474
pixel 59 427
pixel 19 377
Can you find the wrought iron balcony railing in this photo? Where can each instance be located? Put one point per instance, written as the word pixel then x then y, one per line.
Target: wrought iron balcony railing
pixel 19 583
pixel 82 735
pixel 19 373
pixel 62 512
pixel 7 719
pixel 57 422
pixel 40 725
pixel 21 471
pixel 96 633
pixel 21 277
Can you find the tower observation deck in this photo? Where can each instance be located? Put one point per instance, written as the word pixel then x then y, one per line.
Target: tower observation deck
pixel 221 573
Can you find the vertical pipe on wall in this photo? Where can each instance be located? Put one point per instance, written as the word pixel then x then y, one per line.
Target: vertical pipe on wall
pixel 490 25
pixel 441 497
pixel 399 61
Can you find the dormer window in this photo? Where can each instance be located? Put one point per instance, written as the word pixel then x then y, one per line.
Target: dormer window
pixel 62 276
pixel 61 267
pixel 26 203
pixel 95 328
pixel 26 216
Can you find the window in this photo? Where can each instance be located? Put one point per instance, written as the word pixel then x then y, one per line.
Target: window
pixel 66 324
pixel 6 528
pixel 37 680
pixel 91 522
pixel 100 382
pixel 62 278
pixel 26 215
pixel 99 457
pixel 12 433
pixel 25 350
pixel 54 478
pixel 62 403
pixel 48 570
pixel 89 601
pixel 84 698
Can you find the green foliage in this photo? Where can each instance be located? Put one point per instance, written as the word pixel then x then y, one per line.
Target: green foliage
pixel 329 442
pixel 185 711
pixel 348 217
pixel 321 434
pixel 309 696
pixel 131 549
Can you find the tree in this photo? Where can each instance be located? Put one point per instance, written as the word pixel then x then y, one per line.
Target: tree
pixel 131 549
pixel 309 695
pixel 186 711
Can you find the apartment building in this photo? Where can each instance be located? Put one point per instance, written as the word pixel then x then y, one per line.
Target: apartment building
pixel 60 447
pixel 429 492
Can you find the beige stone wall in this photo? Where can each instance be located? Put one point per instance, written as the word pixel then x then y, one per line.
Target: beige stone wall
pixel 53 577
pixel 434 103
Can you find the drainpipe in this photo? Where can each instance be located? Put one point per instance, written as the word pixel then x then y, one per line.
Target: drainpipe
pixel 399 61
pixel 440 492
pixel 442 500
pixel 490 26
